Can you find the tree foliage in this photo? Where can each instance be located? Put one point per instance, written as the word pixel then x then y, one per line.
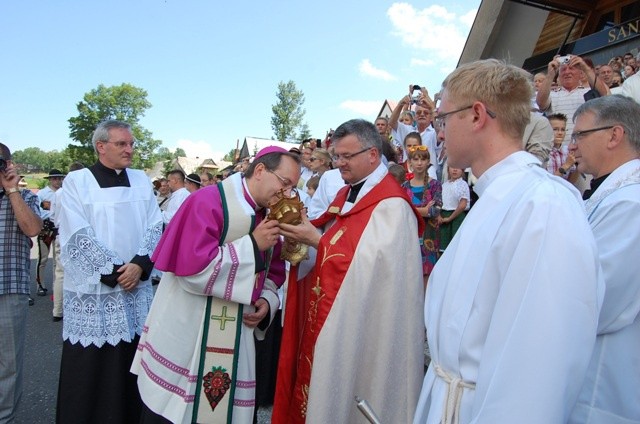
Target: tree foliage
pixel 124 102
pixel 31 159
pixel 287 112
pixel 35 160
pixel 305 132
pixel 164 154
pixel 231 156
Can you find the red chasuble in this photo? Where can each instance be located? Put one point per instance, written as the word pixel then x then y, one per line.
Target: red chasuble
pixel 309 300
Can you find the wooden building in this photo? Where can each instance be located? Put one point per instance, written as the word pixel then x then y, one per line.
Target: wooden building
pixel 529 33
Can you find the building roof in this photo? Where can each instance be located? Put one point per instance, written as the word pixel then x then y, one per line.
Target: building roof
pixel 253 145
pixel 186 165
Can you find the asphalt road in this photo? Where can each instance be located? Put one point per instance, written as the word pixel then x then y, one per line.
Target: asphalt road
pixel 43 349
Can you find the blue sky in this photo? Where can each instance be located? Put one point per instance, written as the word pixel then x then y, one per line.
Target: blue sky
pixel 211 69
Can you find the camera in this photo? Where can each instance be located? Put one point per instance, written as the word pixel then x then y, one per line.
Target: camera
pixel 415 94
pixel 3 164
pixel 564 60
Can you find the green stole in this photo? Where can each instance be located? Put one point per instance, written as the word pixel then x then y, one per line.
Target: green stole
pixel 216 383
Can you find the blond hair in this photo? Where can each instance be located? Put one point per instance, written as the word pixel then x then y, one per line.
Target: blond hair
pixel 506 90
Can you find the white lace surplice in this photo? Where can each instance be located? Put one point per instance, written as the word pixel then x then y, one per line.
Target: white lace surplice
pixel 100 228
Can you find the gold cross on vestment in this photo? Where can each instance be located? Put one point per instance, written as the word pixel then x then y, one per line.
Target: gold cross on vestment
pixel 223 318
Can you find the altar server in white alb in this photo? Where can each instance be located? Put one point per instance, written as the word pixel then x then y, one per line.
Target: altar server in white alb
pixel 110 224
pixel 606 143
pixel 512 305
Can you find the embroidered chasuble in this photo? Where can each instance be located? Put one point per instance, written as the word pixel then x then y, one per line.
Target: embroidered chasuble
pixel 356 316
pixel 196 359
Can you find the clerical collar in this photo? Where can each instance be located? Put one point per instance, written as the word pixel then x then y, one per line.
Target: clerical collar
pixel 355 189
pixel 595 183
pixel 109 177
pixel 248 197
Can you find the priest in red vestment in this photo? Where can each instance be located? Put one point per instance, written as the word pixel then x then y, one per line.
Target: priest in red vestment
pixel 353 326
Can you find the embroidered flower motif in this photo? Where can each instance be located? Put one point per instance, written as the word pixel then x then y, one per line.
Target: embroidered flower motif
pixel 429 245
pixel 216 383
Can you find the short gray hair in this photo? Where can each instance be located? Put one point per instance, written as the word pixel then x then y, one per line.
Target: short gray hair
pixel 615 110
pixel 365 131
pixel 101 132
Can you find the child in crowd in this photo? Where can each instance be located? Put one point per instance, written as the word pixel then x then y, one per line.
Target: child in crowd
pixel 408 118
pixel 312 185
pixel 561 163
pixel 412 140
pixel 426 195
pixel 538 80
pixel 456 199
pixel 398 172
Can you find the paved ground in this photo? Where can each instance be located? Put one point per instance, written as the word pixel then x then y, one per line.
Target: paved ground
pixel 42 359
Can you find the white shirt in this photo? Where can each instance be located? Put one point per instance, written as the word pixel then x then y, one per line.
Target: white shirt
pixel 501 316
pixel 631 87
pixel 452 192
pixel 46 194
pixel 330 183
pixel 175 201
pixel 429 139
pixel 565 101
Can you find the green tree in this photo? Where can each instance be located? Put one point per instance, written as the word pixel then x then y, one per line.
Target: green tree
pixel 168 164
pixel 305 132
pixel 31 159
pixel 287 112
pixel 231 156
pixel 124 102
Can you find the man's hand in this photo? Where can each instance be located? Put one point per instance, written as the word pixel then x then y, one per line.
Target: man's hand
pixel 252 319
pixel 304 232
pixel 578 62
pixel 553 67
pixel 9 178
pixel 266 234
pixel 130 276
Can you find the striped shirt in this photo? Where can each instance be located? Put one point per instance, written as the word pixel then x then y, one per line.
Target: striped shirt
pixel 567 102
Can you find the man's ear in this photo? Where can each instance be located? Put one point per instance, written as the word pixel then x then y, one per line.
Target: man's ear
pixel 259 171
pixel 617 137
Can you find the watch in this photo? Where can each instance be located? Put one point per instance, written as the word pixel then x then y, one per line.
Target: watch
pixel 562 171
pixel 12 190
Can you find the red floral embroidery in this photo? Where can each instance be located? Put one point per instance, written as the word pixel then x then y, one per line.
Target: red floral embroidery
pixel 216 383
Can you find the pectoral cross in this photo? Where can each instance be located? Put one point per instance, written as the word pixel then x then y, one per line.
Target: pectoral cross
pixel 223 318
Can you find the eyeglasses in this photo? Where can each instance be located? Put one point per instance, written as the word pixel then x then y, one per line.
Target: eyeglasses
pixel 121 144
pixel 577 135
pixel 423 112
pixel 286 183
pixel 413 149
pixel 348 156
pixel 312 159
pixel 440 119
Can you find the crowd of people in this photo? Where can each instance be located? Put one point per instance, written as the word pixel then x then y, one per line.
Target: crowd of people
pixel 497 220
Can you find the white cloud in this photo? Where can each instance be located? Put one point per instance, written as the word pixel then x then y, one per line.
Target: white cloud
pixel 440 33
pixel 422 62
pixel 201 149
pixel 469 17
pixel 361 107
pixel 367 68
